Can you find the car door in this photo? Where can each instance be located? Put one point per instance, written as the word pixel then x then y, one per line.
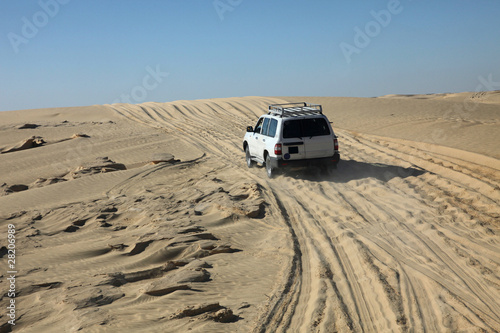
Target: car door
pixel 256 141
pixel 253 137
pixel 261 138
pixel 293 140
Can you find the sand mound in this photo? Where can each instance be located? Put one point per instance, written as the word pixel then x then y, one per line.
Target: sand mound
pixel 6 189
pixel 28 126
pixel 33 142
pixel 213 311
pixel 37 141
pixel 79 135
pixel 101 165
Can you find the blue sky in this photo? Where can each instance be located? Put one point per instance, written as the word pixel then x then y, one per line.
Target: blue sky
pixel 56 53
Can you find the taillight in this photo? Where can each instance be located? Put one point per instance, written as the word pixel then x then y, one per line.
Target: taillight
pixel 335 144
pixel 277 149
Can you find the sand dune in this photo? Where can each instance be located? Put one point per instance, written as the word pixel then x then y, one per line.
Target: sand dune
pixel 151 221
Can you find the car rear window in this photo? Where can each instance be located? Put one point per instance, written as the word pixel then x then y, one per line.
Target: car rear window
pixel 315 127
pixel 308 127
pixel 292 129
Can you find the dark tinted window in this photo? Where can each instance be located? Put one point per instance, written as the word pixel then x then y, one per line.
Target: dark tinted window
pixel 308 127
pixel 272 128
pixel 315 127
pixel 292 129
pixel 265 126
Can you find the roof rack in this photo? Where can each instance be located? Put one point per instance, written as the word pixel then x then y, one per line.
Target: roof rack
pixel 294 109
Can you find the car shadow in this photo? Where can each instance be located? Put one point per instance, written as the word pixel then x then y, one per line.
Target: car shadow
pixel 348 170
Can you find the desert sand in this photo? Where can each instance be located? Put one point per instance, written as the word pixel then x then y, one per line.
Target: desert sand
pixel 145 218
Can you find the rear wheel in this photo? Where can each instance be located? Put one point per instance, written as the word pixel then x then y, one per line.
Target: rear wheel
pixel 248 158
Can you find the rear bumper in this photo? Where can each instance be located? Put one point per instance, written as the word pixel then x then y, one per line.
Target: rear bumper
pixel 328 161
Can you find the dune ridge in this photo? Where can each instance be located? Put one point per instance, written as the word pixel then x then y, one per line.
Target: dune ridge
pixel 181 235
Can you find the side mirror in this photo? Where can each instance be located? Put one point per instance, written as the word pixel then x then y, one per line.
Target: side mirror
pixel 249 129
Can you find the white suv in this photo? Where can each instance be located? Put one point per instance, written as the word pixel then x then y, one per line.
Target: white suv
pixel 292 135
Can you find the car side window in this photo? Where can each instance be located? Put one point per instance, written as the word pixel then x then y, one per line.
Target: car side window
pixel 265 126
pixel 272 128
pixel 258 127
